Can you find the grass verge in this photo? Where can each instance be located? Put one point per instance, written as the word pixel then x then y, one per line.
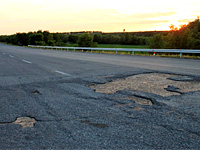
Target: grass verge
pixel 122 46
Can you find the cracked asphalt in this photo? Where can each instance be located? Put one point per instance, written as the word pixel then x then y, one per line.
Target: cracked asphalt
pixel 47 102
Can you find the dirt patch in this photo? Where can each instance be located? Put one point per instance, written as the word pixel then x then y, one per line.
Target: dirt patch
pixel 156 83
pixel 138 108
pixel 25 122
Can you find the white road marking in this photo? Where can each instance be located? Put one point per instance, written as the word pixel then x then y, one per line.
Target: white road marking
pixel 63 73
pixel 11 56
pixel 26 61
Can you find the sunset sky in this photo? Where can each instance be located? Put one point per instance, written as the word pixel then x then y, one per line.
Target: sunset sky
pixel 91 15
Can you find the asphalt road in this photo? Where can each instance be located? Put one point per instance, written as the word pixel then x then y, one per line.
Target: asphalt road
pixel 51 88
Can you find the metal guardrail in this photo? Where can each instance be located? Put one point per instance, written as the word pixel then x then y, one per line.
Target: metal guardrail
pixel 181 51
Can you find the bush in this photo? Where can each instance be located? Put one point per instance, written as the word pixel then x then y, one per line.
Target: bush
pixel 35 37
pixel 86 40
pixel 157 42
pixel 51 42
pixel 72 38
pixel 41 43
pixel 60 43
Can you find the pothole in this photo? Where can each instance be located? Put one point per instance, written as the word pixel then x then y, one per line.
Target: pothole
pixel 156 83
pixel 25 122
pixel 137 100
pixel 36 92
pixel 140 101
pixel 181 78
pixel 173 89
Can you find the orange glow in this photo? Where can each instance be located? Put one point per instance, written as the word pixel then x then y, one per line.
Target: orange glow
pixel 176 25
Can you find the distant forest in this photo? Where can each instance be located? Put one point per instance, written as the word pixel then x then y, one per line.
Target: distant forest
pixel 187 37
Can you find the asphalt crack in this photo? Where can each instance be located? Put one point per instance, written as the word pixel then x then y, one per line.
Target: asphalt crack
pixel 36 92
pixel 172 88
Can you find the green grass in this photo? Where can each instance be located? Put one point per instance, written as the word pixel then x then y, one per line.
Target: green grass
pixel 113 46
pixel 71 45
pixel 194 56
pixel 122 46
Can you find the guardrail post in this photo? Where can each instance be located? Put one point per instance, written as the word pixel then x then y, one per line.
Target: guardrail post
pixel 180 54
pixel 132 52
pixel 91 50
pixel 116 52
pixel 103 51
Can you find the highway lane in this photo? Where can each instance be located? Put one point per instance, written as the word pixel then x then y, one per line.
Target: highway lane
pixel 174 65
pixel 52 88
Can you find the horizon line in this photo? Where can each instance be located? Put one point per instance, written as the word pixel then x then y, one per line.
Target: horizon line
pixel 89 32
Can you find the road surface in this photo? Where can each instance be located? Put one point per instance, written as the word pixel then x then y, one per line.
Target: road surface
pixel 47 102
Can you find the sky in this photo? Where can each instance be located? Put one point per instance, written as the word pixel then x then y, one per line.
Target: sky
pixel 90 15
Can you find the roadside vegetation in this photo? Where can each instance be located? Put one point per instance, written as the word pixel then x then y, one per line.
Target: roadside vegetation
pixel 187 37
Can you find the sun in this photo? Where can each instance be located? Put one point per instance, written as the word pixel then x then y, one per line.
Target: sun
pixel 177 24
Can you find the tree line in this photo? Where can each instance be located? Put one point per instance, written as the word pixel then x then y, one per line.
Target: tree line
pixel 35 38
pixel 187 37
pixel 81 39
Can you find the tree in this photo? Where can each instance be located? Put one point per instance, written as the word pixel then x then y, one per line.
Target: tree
pixel 115 39
pixel 64 38
pixel 185 37
pixel 105 39
pixel 72 38
pixel 35 37
pixel 86 40
pixel 41 43
pixel 98 38
pixel 51 43
pixel 126 39
pixel 47 36
pixel 4 38
pixel 157 42
pixel 22 39
pixel 13 39
pixel 180 39
pixel 173 27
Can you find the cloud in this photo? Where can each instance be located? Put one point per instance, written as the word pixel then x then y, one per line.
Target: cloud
pixel 112 15
pixel 185 20
pixel 108 20
pixel 152 15
pixel 61 17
